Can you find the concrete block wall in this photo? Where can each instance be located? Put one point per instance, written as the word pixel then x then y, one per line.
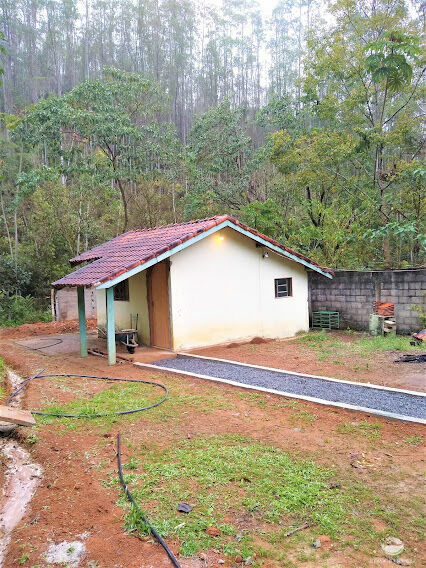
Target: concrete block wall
pixel 66 307
pixel 352 292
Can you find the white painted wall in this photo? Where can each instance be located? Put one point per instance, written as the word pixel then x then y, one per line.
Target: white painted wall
pixel 137 304
pixel 221 289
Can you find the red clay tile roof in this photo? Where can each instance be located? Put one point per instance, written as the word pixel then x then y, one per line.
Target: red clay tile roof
pixel 129 250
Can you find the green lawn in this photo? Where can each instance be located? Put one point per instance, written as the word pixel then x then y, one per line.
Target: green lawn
pixel 124 396
pixel 365 346
pixel 230 478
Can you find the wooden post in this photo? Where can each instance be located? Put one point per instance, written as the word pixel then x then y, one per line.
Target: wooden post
pixel 52 303
pixel 110 325
pixel 82 321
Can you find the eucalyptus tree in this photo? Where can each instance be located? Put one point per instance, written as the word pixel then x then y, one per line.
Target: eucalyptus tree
pixel 363 82
pixel 109 128
pixel 119 116
pixel 3 51
pixel 220 152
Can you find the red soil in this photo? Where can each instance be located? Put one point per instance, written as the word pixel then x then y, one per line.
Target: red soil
pixel 44 328
pixel 72 500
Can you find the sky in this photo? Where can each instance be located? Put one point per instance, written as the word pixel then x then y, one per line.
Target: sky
pixel 265 6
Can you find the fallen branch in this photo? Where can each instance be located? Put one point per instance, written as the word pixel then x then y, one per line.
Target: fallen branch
pixel 301 528
pixel 100 353
pixel 397 560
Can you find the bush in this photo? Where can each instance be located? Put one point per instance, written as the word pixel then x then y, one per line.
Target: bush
pixel 16 310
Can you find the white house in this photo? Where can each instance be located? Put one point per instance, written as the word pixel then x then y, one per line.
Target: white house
pixel 194 284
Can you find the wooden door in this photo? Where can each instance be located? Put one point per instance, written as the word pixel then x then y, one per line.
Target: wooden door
pixel 158 301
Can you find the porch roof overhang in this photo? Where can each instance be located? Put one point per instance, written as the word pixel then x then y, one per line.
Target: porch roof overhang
pixel 109 268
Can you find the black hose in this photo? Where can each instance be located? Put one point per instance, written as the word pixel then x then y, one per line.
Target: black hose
pixel 118 413
pixel 38 375
pixel 139 510
pixel 56 339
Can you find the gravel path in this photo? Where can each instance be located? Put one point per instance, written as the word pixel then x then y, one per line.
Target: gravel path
pixel 354 394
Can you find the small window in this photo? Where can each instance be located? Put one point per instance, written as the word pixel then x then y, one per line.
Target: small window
pixel 283 287
pixel 121 291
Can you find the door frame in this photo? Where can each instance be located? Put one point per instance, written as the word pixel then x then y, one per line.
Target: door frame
pixel 149 299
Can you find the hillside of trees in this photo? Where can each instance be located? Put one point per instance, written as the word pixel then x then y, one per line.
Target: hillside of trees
pixel 119 114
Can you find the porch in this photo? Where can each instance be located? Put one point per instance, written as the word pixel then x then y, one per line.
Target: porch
pixel 139 302
pixel 68 344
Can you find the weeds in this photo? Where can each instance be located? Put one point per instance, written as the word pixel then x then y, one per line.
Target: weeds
pixel 125 396
pixel 303 416
pixel 32 439
pixel 225 475
pixel 16 310
pixel 24 558
pixel 369 345
pixel 253 398
pixel 132 464
pixel 414 441
pixel 326 344
pixel 369 430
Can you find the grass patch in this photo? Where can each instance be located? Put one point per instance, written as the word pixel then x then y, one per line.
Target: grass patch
pixel 253 398
pixel 370 345
pixel 300 414
pixel 118 397
pixel 327 344
pixel 114 398
pixel 323 343
pixel 303 416
pixel 314 337
pixel 369 430
pixel 414 441
pixel 226 478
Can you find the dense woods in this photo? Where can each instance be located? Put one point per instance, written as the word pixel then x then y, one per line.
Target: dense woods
pixel 118 114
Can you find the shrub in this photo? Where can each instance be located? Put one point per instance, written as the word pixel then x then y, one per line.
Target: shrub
pixel 16 310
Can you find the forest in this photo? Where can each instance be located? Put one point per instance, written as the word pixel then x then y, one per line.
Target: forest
pixel 305 123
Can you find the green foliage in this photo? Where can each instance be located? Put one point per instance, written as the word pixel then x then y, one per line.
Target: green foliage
pixel 414 440
pixel 232 475
pixel 278 113
pixel 367 90
pixel 421 311
pixel 132 464
pixel 265 216
pixel 391 58
pixel 125 396
pixel 330 165
pixel 369 430
pixel 108 128
pixel 13 279
pixel 329 346
pixel 219 153
pixel 108 401
pixel 368 345
pixel 16 310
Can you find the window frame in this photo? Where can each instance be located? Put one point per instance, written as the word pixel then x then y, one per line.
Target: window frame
pixel 121 291
pixel 289 288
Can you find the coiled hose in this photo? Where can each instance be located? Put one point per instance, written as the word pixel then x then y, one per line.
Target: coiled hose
pixel 129 496
pixel 56 340
pixel 118 413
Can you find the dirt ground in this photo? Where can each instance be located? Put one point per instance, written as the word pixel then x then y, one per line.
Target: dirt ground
pixel 294 355
pixel 44 328
pixel 73 497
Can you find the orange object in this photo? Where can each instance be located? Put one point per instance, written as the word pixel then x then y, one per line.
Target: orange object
pixel 384 308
